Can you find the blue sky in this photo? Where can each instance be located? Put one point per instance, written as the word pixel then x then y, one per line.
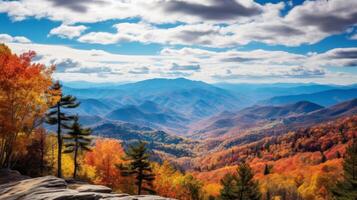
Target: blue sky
pixel 209 40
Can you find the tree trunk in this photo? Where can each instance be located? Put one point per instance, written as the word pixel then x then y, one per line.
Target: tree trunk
pixel 140 181
pixel 139 187
pixel 75 158
pixel 59 141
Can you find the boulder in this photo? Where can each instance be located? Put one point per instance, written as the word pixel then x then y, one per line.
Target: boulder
pixel 53 188
pixel 93 188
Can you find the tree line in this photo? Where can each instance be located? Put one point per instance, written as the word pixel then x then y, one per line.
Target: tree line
pixel 29 98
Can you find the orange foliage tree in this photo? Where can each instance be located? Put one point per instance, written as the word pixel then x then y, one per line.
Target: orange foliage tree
pixel 24 98
pixel 170 182
pixel 103 158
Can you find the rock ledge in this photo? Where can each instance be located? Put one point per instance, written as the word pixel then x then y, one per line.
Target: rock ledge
pixel 53 188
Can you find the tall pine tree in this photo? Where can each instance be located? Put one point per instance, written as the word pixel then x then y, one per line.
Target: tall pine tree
pixel 77 140
pixel 139 167
pixel 57 117
pixel 240 186
pixel 347 189
pixel 229 189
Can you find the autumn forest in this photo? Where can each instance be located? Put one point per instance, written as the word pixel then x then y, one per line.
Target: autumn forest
pixel 40 135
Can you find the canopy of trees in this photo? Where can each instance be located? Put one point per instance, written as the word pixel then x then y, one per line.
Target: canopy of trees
pixel 24 99
pixel 315 163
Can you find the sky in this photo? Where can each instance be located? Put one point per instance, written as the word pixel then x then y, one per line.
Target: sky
pixel 253 41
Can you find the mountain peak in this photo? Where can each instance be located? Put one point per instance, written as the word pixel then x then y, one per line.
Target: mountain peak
pixel 304 106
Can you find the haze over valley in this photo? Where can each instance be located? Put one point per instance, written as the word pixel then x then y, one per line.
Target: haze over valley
pixel 178 99
pixel 191 118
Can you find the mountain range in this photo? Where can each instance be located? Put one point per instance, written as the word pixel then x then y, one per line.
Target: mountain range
pixel 200 110
pixel 181 118
pixel 325 98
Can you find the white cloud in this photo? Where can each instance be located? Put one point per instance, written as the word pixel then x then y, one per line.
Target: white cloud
pixel 91 11
pixel 5 38
pixel 205 23
pixel 67 31
pixel 201 34
pixel 210 66
pixel 354 36
pixel 291 72
pixel 338 57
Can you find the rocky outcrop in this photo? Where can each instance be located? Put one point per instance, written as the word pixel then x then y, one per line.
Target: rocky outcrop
pixel 53 188
pixel 7 176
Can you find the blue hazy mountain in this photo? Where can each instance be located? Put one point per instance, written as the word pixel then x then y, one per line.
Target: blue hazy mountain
pixel 173 104
pixel 254 116
pixel 325 98
pixel 258 92
pixel 192 99
pixel 263 118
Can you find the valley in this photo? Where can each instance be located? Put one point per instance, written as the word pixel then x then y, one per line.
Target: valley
pixel 180 118
pixel 178 100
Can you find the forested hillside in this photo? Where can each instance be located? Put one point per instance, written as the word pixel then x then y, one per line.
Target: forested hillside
pixel 292 151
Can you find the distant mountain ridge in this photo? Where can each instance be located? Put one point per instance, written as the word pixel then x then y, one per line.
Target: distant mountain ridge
pixel 325 98
pixel 175 105
pixel 267 117
pixel 346 108
pixel 259 92
pixel 170 104
pixel 157 140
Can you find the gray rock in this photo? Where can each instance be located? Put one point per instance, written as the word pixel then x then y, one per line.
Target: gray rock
pixel 7 176
pixel 93 188
pixel 53 188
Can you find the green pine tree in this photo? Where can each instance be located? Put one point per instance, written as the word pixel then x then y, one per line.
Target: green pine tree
pixel 347 189
pixel 247 188
pixel 229 189
pixel 139 167
pixel 193 186
pixel 57 117
pixel 241 185
pixel 77 140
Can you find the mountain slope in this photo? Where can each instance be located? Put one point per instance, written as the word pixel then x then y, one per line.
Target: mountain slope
pixel 92 107
pixel 168 104
pixel 346 108
pixel 325 98
pixel 150 114
pixel 259 92
pixel 249 118
pixel 193 99
pixel 237 136
pixel 157 140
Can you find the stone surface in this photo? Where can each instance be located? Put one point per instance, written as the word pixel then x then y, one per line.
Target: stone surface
pixel 7 176
pixel 92 188
pixel 53 188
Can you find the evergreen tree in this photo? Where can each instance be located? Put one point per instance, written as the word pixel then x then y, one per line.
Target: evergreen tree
pixel 139 167
pixel 241 185
pixel 347 189
pixel 247 188
pixel 229 189
pixel 77 140
pixel 57 117
pixel 193 186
